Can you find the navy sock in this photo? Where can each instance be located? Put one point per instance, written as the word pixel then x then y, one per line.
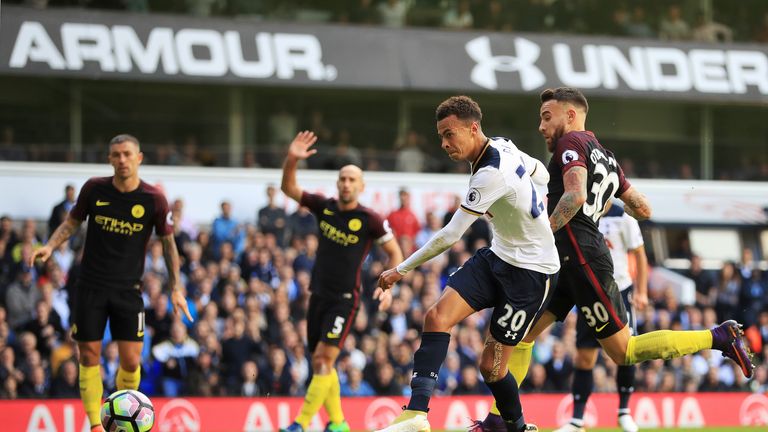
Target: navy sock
pixel 426 365
pixel 625 382
pixel 581 389
pixel 508 401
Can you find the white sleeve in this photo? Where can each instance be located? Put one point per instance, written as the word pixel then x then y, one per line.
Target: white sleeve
pixel 633 238
pixel 440 242
pixel 536 169
pixel 485 187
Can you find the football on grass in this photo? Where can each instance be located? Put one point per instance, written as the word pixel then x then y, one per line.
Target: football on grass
pixel 127 411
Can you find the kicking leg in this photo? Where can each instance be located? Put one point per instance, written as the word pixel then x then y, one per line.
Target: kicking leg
pixel 449 310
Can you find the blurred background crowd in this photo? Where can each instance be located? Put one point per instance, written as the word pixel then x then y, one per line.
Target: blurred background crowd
pixel 247 284
pixel 724 22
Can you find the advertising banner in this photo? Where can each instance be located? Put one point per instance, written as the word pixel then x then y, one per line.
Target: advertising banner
pixel 96 45
pixel 651 410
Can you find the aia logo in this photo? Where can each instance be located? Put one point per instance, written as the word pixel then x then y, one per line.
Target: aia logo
pixel 754 411
pixel 380 413
pixel 178 415
pixel 523 62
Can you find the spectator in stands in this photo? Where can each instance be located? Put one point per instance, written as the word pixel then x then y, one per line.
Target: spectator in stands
pixel 226 228
pixel 277 379
pixel 409 157
pixel 392 13
pixel 185 223
pixel 638 27
pixel 110 362
pixel 60 210
pixel 356 385
pixel 458 16
pixel 46 326
pixel 251 386
pixel 344 153
pixel 536 381
pixel 707 30
pixel 672 27
pixel 728 291
pixel 753 291
pixel 403 221
pixel 706 290
pixel 431 227
pixel 8 365
pixel 559 368
pixel 470 382
pixel 65 385
pixel 271 219
pixel 301 223
pixel 176 355
pixel 385 383
pixel 202 8
pixel 9 150
pixel 35 386
pixel 21 296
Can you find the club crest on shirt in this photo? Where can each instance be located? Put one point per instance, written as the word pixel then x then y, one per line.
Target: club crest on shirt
pixel 473 196
pixel 355 224
pixel 569 156
pixel 137 211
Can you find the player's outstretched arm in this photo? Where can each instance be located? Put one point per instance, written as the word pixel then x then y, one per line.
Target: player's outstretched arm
pixel 298 150
pixel 62 233
pixel 172 263
pixel 575 195
pixel 438 244
pixel 392 249
pixel 636 204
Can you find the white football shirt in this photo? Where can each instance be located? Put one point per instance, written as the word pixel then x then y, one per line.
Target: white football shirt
pixel 501 188
pixel 622 234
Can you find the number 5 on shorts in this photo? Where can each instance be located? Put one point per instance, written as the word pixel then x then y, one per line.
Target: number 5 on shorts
pixel 338 325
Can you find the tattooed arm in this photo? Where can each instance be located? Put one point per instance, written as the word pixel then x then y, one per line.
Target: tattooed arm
pixel 172 263
pixel 575 183
pixel 62 233
pixel 636 204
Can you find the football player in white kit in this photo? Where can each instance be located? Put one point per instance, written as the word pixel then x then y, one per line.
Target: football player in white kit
pixel 513 276
pixel 623 238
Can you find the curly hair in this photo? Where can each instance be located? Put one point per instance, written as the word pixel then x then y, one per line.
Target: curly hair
pixel 463 107
pixel 566 94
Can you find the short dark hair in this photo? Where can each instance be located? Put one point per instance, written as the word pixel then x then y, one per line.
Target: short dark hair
pixel 118 139
pixel 463 107
pixel 566 94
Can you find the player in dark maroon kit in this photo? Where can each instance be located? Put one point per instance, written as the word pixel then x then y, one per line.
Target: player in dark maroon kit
pixel 584 176
pixel 347 232
pixel 122 212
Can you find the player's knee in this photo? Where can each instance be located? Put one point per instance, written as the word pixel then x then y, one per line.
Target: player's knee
pixel 488 373
pixel 321 364
pixel 618 355
pixel 434 321
pixel 585 360
pixel 89 356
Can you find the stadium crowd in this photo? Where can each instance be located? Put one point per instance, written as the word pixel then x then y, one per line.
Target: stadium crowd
pixel 709 22
pixel 247 286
